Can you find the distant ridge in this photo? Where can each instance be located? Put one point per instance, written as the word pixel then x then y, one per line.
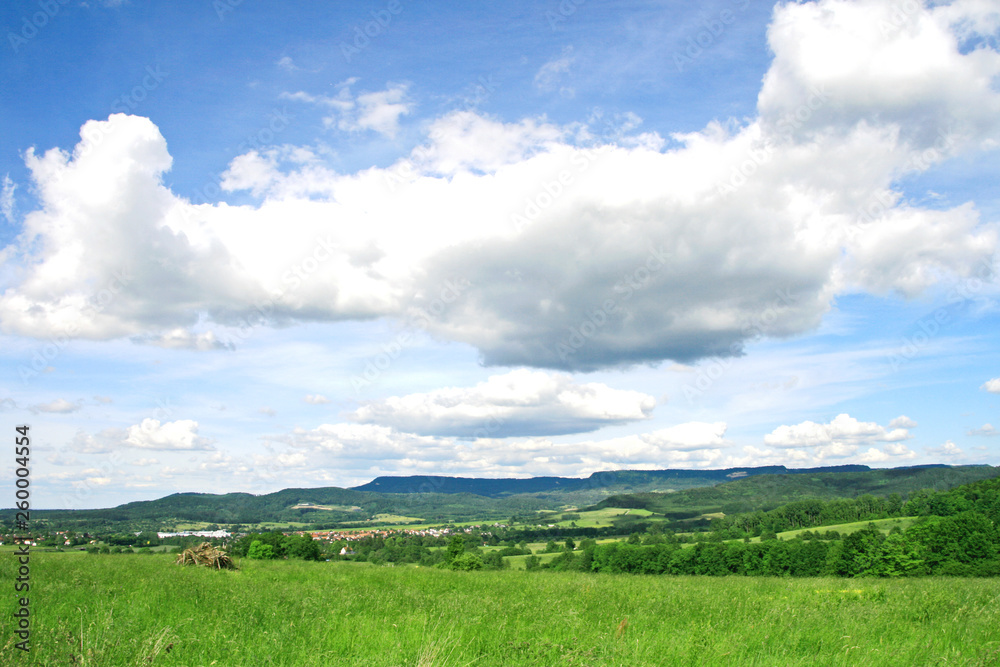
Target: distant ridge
pixel 432 498
pixel 494 488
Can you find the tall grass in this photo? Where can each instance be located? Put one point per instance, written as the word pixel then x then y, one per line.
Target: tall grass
pixel 143 610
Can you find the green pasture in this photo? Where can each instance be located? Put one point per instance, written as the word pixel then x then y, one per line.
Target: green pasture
pixel 143 610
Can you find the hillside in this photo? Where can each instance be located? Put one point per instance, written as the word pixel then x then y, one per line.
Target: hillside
pixel 242 508
pixel 625 480
pixel 763 492
pixel 439 499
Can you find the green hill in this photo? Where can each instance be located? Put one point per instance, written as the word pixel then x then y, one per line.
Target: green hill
pixel 764 492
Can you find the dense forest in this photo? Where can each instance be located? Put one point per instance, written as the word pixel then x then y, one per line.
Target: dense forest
pixel 955 534
pixel 765 492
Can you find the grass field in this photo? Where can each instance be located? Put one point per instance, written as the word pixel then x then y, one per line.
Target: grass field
pixel 885 525
pixel 592 518
pixel 143 610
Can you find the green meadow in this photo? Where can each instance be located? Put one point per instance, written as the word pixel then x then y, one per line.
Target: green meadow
pixel 124 610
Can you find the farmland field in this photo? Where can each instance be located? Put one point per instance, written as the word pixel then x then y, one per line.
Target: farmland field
pixel 143 610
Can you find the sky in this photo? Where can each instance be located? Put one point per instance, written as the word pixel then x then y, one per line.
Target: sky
pixel 246 246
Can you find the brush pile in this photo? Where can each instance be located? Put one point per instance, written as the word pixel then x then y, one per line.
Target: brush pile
pixel 207 555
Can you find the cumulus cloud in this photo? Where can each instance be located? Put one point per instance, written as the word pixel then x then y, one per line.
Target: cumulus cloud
pixel 992 386
pixel 949 450
pixel 59 406
pixel 843 428
pixel 897 68
pixel 841 438
pixel 316 399
pixel 143 462
pixel 366 449
pixel 182 339
pixel 984 430
pixel 378 111
pixel 576 255
pixel 518 403
pixel 177 435
pixel 106 441
pixel 902 421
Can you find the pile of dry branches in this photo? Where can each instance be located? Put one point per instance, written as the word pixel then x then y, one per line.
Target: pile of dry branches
pixel 207 555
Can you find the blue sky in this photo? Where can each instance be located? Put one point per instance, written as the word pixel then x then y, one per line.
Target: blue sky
pixel 248 247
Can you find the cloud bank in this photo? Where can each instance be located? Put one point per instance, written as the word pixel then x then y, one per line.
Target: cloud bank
pixel 577 254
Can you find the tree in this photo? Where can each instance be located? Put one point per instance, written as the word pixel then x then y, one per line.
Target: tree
pixel 467 562
pixel 304 547
pixel 456 547
pixel 260 551
pixel 570 544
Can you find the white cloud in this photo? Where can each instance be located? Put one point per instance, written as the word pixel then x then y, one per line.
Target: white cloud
pixel 624 253
pixel 286 62
pixel 463 141
pixel 902 421
pixel 106 441
pixel 842 438
pixel 316 399
pixel 59 406
pixel 548 76
pixel 984 430
pixel 992 386
pixel 378 111
pixel 61 458
pixel 366 450
pixel 895 452
pixel 177 435
pixel 270 412
pixel 182 339
pixel 688 436
pixel 7 199
pixel 518 403
pixel 894 68
pixel 105 400
pixel 949 449
pixel 144 462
